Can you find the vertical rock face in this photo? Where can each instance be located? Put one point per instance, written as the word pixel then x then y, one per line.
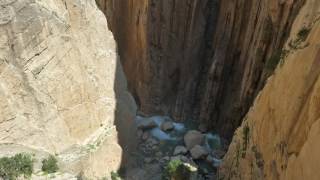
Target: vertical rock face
pixel 279 137
pixel 59 83
pixel 203 60
pixel 248 37
pixel 162 45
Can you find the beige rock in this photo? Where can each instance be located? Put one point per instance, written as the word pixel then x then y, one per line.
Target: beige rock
pixel 279 138
pixel 61 85
pixel 167 126
pixel 146 124
pixel 192 138
pixel 198 152
pixel 180 150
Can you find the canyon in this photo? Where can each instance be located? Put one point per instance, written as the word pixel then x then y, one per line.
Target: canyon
pixel 199 60
pixel 123 87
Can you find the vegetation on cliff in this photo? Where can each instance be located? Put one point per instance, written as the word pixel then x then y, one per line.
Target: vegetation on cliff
pixel 13 167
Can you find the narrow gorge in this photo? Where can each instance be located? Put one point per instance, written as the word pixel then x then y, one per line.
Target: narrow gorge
pixel 159 89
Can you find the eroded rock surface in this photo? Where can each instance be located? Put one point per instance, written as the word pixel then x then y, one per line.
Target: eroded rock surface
pixel 60 83
pixel 279 138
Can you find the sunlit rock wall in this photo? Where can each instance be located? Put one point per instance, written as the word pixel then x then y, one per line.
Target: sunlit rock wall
pixel 279 138
pixel 59 83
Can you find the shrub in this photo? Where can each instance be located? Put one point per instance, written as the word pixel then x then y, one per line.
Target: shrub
pixel 245 138
pixel 115 176
pixel 303 33
pixel 301 37
pixel 276 58
pixel 171 169
pixel 273 61
pixel 50 165
pixel 178 170
pixel 13 167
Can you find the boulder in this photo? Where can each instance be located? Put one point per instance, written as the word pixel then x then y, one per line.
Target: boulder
pixel 198 152
pixel 159 154
pixel 147 160
pixel 145 136
pixel 184 159
pixel 193 138
pixel 180 150
pixel 139 133
pixel 218 153
pixel 165 159
pixel 175 158
pixel 167 126
pixel 146 124
pixel 151 141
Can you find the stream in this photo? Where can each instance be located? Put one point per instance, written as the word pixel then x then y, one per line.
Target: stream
pixel 162 140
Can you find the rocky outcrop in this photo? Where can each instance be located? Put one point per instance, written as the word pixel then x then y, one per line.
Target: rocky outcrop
pixel 202 60
pixel 279 136
pixel 60 85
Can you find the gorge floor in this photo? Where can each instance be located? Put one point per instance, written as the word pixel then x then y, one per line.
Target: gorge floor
pixel 161 141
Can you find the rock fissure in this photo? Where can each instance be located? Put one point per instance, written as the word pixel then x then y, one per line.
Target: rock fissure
pixel 226 89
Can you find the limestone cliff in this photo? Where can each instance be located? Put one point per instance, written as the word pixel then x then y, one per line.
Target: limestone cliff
pixel 60 85
pixel 201 60
pixel 279 138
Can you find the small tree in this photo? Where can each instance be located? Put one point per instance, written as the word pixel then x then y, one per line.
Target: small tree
pixel 50 165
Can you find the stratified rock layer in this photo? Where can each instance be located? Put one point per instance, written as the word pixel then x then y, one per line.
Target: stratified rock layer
pixel 60 85
pixel 279 138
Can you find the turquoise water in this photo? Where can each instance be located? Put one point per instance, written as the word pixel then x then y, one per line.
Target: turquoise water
pixel 212 140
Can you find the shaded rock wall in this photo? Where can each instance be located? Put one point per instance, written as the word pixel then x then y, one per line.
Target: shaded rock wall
pixel 58 88
pixel 279 136
pixel 201 60
pixel 161 44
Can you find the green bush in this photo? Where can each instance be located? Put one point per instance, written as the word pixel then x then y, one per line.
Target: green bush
pixel 301 37
pixel 245 139
pixel 171 169
pixel 303 33
pixel 178 170
pixel 273 61
pixel 50 165
pixel 115 176
pixel 13 167
pixel 276 58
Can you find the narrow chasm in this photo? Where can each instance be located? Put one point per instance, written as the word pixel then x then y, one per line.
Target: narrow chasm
pixel 194 68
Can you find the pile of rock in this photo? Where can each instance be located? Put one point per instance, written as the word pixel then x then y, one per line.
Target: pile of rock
pixel 194 147
pixel 144 126
pixel 194 140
